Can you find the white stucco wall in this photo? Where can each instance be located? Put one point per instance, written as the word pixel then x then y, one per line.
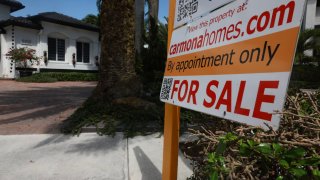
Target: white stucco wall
pixel 7 71
pixel 26 37
pixel 312 14
pixel 2 41
pixel 4 12
pixel 71 36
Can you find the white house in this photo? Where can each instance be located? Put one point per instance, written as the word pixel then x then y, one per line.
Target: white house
pixel 63 42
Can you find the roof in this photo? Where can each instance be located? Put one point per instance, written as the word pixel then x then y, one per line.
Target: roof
pixel 62 19
pixel 20 21
pixel 13 4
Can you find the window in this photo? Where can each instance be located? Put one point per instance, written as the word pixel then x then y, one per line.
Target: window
pixel 56 49
pixel 83 52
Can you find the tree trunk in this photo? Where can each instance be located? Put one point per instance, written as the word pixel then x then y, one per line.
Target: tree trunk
pixel 139 18
pixel 118 78
pixel 153 9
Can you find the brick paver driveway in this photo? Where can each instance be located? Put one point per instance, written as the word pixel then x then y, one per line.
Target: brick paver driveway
pixel 39 108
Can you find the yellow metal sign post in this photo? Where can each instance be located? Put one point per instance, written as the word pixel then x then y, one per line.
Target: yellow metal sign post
pixel 171 142
pixel 171 122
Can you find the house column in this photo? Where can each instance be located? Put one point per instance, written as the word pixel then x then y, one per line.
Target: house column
pixel 71 50
pixel 8 66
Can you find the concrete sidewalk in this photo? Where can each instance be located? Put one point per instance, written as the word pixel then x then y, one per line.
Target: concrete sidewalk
pixel 88 156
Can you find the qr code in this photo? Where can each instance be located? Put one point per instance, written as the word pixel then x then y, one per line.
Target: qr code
pixel 186 8
pixel 166 88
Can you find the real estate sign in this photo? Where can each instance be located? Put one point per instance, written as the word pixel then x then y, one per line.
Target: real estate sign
pixel 235 63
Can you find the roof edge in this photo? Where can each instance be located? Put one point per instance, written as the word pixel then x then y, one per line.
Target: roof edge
pixel 71 25
pixel 10 22
pixel 14 6
pixel 88 27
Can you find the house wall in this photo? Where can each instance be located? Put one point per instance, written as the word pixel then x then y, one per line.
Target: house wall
pixel 311 14
pixel 4 15
pixel 7 42
pixel 26 37
pixel 312 17
pixel 2 42
pixel 4 12
pixel 29 38
pixel 71 36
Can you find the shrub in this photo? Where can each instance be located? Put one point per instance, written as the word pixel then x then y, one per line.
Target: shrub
pixel 37 79
pixel 226 150
pixel 72 76
pixel 308 73
pixel 60 76
pixel 22 56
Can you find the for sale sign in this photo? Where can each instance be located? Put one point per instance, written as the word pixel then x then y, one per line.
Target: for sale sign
pixel 235 63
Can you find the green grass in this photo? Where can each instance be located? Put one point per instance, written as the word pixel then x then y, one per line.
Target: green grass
pixel 49 77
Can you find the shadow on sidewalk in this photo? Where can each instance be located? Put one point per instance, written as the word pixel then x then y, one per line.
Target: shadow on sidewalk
pixel 147 168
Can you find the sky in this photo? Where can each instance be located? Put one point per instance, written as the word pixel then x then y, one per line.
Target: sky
pixel 74 8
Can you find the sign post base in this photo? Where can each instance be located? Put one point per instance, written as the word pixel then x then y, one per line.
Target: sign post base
pixel 171 142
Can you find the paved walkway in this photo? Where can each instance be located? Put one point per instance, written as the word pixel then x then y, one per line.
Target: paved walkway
pixel 39 108
pixel 32 149
pixel 88 157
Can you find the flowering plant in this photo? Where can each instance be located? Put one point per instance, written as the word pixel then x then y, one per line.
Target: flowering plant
pixel 22 56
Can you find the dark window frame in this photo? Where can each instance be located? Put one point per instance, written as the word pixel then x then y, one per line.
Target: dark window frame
pixel 59 54
pixel 83 54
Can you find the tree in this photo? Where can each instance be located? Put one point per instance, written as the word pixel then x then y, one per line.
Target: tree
pixel 139 18
pixel 117 68
pixel 153 6
pixel 91 19
pixel 308 40
pixel 154 57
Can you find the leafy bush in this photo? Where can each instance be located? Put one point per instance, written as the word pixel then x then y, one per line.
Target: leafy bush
pixel 226 150
pixel 306 73
pixel 60 76
pixel 295 86
pixel 37 79
pixel 22 56
pixel 72 76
